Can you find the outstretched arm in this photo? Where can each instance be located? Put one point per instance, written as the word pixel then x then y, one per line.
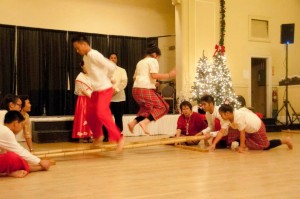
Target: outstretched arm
pixel 217 139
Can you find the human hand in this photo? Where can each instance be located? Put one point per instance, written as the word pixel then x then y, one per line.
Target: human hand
pixel 207 136
pixel 172 73
pixel 241 149
pixel 115 92
pixel 198 134
pixel 45 164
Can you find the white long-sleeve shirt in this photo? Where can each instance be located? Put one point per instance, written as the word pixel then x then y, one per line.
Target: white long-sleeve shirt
pixel 100 70
pixel 210 118
pixel 120 78
pixel 8 142
pixel 245 119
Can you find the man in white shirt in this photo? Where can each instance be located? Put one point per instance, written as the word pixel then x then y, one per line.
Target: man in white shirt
pixel 100 71
pixel 117 105
pixel 8 143
pixel 216 126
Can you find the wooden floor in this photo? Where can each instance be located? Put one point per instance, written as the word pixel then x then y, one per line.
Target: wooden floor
pixel 164 172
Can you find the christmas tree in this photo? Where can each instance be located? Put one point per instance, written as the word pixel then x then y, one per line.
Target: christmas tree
pixel 214 78
pixel 205 79
pixel 223 83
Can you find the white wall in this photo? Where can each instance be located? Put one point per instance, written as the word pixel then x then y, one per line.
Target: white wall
pixel 201 21
pixel 141 18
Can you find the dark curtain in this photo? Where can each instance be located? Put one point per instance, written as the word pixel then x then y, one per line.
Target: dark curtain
pixel 116 45
pixel 7 56
pixel 100 43
pixel 133 51
pixel 46 65
pixel 41 69
pixel 55 79
pixel 73 69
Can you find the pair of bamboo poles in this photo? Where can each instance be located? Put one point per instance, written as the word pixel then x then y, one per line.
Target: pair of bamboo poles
pixel 131 145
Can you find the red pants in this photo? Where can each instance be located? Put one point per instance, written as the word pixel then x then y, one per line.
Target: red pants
pixel 10 162
pixel 99 114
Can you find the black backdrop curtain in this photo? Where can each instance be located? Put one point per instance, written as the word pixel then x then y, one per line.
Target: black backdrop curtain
pixel 134 50
pixel 41 69
pixel 73 69
pixel 45 65
pixel 7 66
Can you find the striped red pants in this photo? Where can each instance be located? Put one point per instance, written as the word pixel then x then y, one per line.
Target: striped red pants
pixel 150 102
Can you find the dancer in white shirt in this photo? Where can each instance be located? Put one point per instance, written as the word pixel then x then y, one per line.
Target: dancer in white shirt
pixel 252 130
pixel 100 71
pixel 216 126
pixel 152 105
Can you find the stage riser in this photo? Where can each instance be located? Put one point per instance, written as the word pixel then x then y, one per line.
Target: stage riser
pixel 56 131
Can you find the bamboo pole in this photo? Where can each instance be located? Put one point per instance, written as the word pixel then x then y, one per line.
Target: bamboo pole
pixel 291 131
pixel 192 148
pixel 111 147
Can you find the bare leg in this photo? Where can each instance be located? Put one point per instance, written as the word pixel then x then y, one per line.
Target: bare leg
pixel 18 174
pixel 97 142
pixel 34 168
pixel 288 142
pixel 144 124
pixel 120 144
pixel 29 144
pixel 131 125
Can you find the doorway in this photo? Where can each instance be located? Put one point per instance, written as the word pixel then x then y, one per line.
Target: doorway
pixel 259 85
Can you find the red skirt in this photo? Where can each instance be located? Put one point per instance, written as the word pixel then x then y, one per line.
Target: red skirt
pixel 81 128
pixel 150 102
pixel 10 162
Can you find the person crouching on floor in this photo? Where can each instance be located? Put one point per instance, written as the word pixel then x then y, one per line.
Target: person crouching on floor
pixel 189 123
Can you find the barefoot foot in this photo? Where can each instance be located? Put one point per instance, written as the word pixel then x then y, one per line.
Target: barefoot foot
pixel 131 126
pixel 120 145
pixel 144 124
pixel 288 142
pixel 18 174
pixel 97 143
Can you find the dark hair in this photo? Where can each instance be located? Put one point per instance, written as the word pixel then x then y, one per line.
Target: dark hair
pixel 23 98
pixel 80 38
pixel 12 116
pixel 8 98
pixel 185 103
pixel 225 108
pixel 208 99
pixel 112 53
pixel 241 100
pixel 152 48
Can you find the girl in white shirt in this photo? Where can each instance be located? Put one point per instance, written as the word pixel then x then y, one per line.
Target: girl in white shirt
pixel 152 106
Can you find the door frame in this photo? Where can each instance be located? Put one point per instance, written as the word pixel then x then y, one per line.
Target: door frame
pixel 268 83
